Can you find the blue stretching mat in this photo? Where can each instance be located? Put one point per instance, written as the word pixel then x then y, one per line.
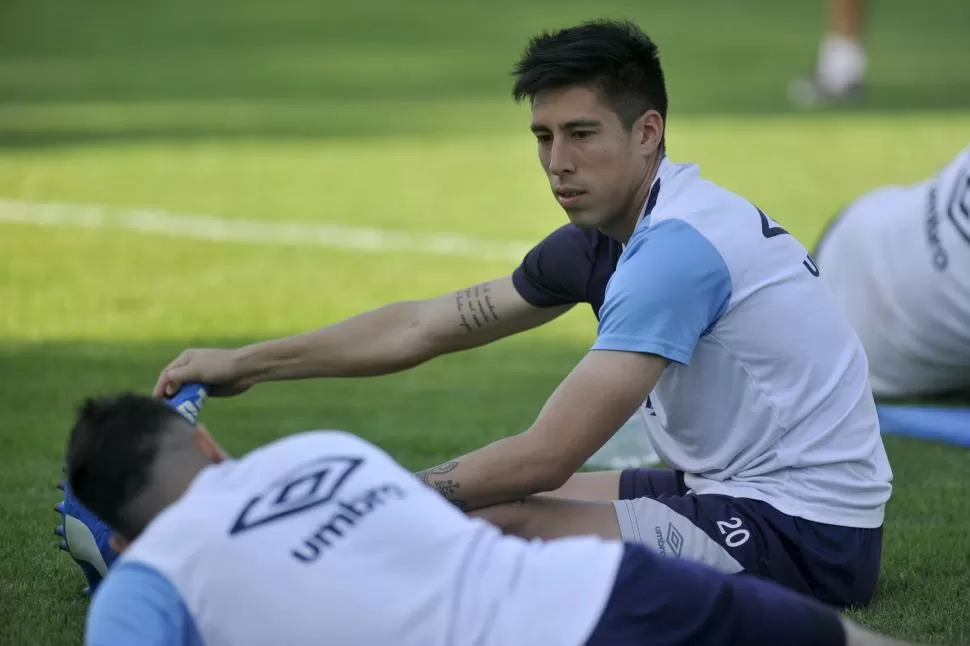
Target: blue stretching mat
pixel 938 423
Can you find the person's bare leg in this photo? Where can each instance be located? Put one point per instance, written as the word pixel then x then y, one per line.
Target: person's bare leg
pixel 548 517
pixel 846 17
pixel 841 63
pixel 591 486
pixel 842 58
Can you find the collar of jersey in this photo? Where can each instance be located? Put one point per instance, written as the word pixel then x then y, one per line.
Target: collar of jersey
pixel 643 222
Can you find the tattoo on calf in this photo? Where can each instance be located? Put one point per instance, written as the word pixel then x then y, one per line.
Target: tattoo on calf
pixel 475 307
pixel 446 488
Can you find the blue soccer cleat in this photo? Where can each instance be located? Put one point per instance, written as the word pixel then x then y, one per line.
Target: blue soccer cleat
pixel 86 537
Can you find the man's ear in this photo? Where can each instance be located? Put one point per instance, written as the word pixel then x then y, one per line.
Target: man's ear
pixel 208 446
pixel 649 129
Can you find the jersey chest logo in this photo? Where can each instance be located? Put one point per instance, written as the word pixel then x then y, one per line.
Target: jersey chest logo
pixel 307 486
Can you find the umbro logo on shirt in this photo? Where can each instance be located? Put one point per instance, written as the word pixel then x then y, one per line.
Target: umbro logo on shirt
pixel 308 487
pixel 305 487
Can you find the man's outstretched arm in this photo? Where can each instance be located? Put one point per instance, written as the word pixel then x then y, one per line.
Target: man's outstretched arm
pixel 596 398
pixel 382 341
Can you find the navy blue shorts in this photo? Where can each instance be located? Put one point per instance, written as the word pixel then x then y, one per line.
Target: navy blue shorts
pixel 657 600
pixel 838 566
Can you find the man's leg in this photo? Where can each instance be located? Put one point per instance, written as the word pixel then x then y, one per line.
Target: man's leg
pixel 654 511
pixel 584 505
pixel 547 517
pixel 841 63
pixel 836 565
pixel 658 600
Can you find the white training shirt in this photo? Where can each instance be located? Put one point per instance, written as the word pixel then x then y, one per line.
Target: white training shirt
pixel 321 538
pixel 766 395
pixel 898 260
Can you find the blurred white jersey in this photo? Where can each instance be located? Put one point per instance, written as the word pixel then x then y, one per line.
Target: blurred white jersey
pixel 322 538
pixel 898 260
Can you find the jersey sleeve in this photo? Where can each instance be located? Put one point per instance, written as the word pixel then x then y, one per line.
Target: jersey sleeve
pixel 557 271
pixel 669 291
pixel 137 606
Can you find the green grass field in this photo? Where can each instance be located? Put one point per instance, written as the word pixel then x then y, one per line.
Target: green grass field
pixel 395 116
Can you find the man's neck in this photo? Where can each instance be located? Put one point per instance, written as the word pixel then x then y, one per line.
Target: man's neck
pixel 623 228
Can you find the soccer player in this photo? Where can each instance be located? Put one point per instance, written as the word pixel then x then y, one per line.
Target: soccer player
pixel 321 538
pixel 713 323
pixel 898 259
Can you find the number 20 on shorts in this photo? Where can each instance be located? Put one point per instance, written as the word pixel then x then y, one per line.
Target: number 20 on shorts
pixel 734 535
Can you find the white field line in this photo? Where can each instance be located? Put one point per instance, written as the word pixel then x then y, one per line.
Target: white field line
pixel 259 232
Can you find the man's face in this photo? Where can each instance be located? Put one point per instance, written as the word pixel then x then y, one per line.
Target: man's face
pixel 596 167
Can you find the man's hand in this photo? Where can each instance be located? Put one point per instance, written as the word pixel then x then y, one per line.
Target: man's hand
pixel 218 369
pixel 587 408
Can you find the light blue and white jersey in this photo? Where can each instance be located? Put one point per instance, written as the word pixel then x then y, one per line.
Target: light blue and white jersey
pixel 321 538
pixel 766 395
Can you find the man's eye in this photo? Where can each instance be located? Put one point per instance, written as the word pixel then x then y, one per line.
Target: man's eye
pixel 582 134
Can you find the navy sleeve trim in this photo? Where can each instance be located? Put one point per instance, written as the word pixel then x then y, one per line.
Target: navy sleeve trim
pixel 570 265
pixel 536 293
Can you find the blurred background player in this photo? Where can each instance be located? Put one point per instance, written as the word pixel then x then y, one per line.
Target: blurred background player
pixel 840 68
pixel 322 538
pixel 898 260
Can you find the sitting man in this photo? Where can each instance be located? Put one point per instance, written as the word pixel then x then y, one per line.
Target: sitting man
pixel 321 538
pixel 714 326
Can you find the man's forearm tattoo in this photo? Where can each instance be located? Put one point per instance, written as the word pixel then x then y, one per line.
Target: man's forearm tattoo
pixel 441 469
pixel 475 308
pixel 446 488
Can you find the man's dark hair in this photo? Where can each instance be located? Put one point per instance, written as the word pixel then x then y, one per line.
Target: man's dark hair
pixel 110 453
pixel 615 57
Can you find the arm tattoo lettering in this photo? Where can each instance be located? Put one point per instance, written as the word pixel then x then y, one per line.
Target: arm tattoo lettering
pixel 475 307
pixel 446 488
